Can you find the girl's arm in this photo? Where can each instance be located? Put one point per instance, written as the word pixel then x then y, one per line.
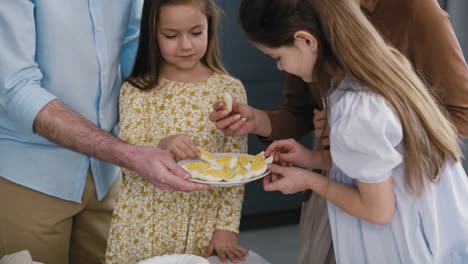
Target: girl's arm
pixel 374 202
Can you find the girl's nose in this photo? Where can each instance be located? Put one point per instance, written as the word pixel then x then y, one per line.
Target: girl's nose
pixel 186 43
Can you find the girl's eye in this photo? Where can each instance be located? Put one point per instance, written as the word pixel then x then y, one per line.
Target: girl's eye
pixel 197 33
pixel 170 36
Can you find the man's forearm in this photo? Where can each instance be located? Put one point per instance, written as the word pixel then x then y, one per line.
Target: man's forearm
pixel 63 126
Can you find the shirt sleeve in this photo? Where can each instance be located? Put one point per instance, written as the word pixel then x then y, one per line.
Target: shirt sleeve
pixel 21 94
pixel 364 135
pixel 229 212
pixel 438 56
pixel 294 118
pixel 130 45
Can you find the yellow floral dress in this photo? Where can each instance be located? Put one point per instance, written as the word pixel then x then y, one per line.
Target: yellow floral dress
pixel 148 221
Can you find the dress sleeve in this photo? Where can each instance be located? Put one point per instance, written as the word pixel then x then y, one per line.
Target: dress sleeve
pixel 229 212
pixel 364 135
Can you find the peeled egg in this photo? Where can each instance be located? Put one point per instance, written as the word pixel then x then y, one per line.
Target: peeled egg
pixel 227 100
pixel 259 156
pixel 242 160
pixel 269 160
pixel 212 175
pixel 240 174
pixel 196 166
pixel 258 168
pixel 226 161
pixel 207 156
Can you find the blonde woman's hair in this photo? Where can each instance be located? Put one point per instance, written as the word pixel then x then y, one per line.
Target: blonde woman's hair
pixel 148 62
pixel 348 41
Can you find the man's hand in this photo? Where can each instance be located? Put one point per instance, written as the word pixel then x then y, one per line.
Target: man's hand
pixel 224 244
pixel 159 168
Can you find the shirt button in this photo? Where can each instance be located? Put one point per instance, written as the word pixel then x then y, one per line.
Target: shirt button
pixel 99 28
pixel 101 116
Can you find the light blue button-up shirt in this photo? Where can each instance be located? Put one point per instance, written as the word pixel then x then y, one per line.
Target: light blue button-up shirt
pixel 73 51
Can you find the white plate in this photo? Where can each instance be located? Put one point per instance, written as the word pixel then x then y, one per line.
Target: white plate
pixel 224 183
pixel 175 259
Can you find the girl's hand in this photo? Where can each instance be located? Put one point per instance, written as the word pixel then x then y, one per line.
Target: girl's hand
pixel 180 146
pixel 289 180
pixel 224 244
pixel 289 152
pixel 320 121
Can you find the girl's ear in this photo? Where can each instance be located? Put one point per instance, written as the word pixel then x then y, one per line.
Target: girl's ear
pixel 305 38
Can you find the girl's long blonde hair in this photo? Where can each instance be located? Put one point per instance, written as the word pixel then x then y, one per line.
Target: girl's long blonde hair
pixel 348 41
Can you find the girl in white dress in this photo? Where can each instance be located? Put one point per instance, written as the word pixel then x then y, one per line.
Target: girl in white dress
pixel 396 190
pixel 178 76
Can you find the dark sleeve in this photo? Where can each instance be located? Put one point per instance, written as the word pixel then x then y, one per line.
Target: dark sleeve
pixel 439 58
pixel 294 118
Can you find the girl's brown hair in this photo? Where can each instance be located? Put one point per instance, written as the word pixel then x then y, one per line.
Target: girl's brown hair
pixel 348 42
pixel 146 72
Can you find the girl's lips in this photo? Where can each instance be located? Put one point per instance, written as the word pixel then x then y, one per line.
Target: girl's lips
pixel 186 56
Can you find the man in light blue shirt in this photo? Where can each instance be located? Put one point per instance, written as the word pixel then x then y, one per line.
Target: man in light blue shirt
pixel 61 67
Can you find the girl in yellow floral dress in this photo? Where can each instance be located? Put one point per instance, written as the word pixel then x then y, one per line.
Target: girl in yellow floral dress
pixel 178 76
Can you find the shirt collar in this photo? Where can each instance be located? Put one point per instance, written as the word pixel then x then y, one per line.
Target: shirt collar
pixel 369 5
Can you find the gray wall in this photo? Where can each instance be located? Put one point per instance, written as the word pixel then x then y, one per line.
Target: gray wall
pixel 458 11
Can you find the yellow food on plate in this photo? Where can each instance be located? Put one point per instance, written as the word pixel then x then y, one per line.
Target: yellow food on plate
pixel 240 174
pixel 258 167
pixel 207 156
pixel 226 161
pixel 242 160
pixel 217 174
pixel 197 166
pixel 227 167
pixel 259 156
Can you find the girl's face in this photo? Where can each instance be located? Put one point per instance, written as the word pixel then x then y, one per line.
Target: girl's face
pixel 298 59
pixel 182 35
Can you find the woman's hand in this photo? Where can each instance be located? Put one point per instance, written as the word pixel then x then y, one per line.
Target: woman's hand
pixel 320 121
pixel 289 180
pixel 180 146
pixel 242 120
pixel 289 152
pixel 224 244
